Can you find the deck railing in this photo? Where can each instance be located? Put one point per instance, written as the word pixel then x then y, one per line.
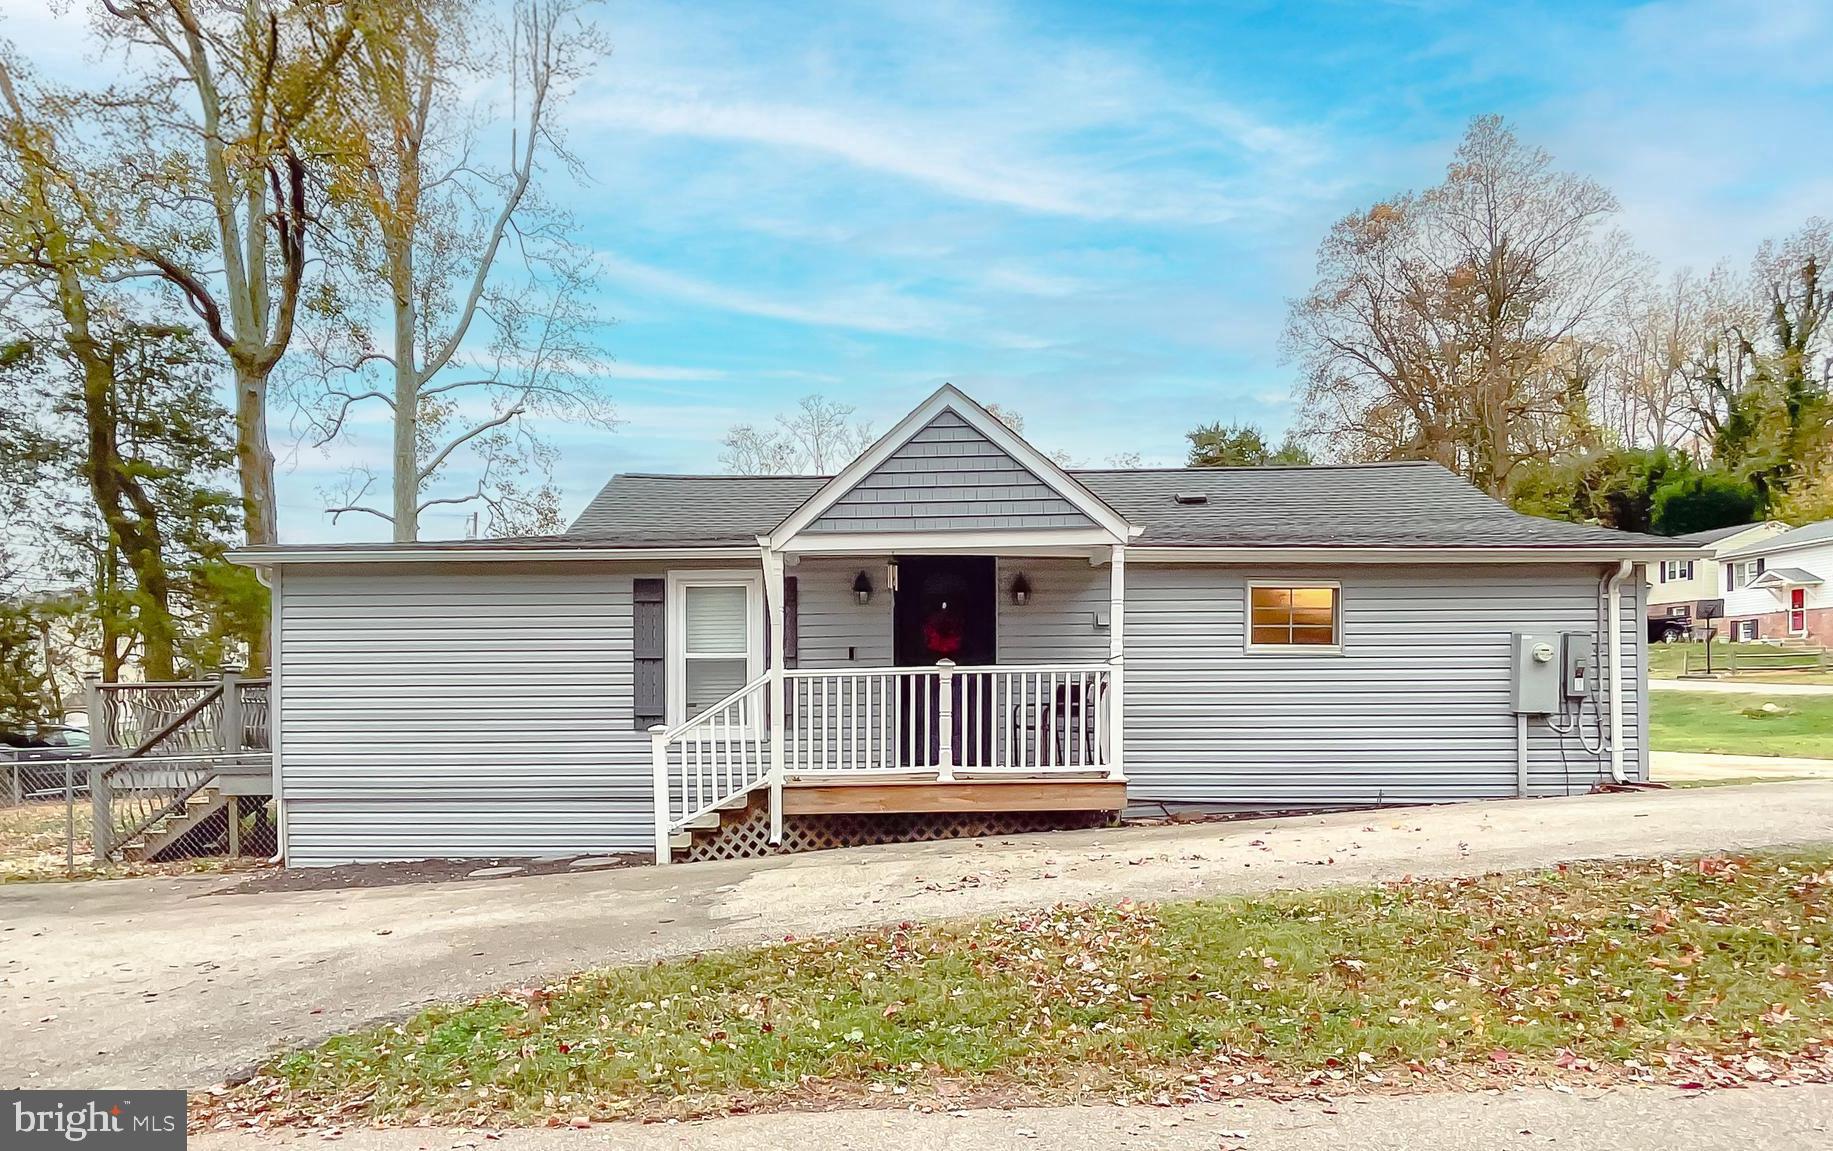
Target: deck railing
pixel 157 744
pixel 942 722
pixel 949 720
pixel 709 760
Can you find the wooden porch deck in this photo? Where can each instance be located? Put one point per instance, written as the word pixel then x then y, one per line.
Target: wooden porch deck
pixel 875 795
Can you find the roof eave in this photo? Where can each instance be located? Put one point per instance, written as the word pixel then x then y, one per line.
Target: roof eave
pixel 1476 553
pixel 262 557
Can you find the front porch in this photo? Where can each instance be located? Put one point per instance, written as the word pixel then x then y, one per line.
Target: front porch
pixel 910 734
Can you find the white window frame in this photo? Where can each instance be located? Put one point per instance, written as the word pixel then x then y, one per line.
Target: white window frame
pixel 1737 631
pixel 1673 571
pixel 676 600
pixel 1289 649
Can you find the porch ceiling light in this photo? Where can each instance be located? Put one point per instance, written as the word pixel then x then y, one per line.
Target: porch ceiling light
pixel 862 587
pixel 1021 590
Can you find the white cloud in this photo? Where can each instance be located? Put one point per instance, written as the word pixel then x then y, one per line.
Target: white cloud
pixel 866 308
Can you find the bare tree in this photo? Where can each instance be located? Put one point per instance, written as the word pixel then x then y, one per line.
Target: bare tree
pixel 1454 324
pixel 819 436
pixel 204 178
pixel 485 292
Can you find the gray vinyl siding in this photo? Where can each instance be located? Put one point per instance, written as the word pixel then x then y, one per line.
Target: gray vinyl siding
pixel 460 711
pixel 949 477
pixel 831 620
pixel 1415 708
pixel 1058 625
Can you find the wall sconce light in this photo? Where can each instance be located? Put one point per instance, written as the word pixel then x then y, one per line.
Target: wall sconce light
pixel 862 588
pixel 1021 590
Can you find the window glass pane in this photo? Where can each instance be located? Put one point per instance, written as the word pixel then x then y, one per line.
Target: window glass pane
pixel 1272 616
pixel 711 680
pixel 715 620
pixel 1272 597
pixel 1313 597
pixel 1294 615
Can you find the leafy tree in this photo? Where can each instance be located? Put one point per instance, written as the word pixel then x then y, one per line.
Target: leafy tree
pixel 1453 324
pixel 1218 445
pixel 1701 501
pixel 139 406
pixel 1615 488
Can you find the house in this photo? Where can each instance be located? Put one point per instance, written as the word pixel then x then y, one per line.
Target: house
pixel 958 635
pixel 1775 588
pixel 1684 596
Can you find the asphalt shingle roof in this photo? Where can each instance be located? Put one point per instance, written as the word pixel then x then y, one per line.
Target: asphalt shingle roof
pixel 1713 535
pixel 1814 533
pixel 1356 505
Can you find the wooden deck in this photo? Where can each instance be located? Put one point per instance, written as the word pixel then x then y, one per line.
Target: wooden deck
pixel 865 796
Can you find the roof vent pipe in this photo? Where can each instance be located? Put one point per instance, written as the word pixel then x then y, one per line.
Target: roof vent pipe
pixel 1191 498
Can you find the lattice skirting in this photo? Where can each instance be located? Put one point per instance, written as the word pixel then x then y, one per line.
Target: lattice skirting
pixel 746 834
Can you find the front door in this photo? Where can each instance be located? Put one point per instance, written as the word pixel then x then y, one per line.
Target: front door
pixel 946 608
pixel 1797 611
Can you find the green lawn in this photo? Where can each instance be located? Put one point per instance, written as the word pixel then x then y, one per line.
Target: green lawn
pixel 1736 725
pixel 1668 660
pixel 1687 971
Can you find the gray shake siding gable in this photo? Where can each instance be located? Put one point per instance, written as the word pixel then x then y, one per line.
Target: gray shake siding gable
pixel 949 477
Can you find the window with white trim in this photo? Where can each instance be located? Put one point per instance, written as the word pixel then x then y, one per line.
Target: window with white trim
pixel 1744 630
pixel 715 638
pixel 1674 570
pixel 1294 616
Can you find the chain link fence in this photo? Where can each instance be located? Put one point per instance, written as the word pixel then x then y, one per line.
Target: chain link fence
pixel 176 774
pixel 44 814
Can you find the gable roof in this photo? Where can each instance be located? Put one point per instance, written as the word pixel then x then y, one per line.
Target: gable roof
pixel 1351 505
pixel 1804 536
pixel 1044 474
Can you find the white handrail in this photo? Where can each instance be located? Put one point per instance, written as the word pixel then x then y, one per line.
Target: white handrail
pixel 723 755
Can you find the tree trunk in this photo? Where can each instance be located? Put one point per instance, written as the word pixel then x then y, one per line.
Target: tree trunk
pixel 406 458
pixel 255 470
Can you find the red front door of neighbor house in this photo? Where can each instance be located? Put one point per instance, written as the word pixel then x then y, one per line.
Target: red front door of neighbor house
pixel 1797 611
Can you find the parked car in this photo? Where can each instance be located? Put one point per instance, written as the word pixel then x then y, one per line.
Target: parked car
pixel 32 759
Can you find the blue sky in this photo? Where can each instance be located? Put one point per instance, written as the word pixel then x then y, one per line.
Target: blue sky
pixel 1091 213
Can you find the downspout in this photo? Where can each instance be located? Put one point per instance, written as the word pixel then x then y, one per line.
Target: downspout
pixel 1613 613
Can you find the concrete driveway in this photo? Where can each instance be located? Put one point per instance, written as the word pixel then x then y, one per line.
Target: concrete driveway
pixel 172 983
pixel 1710 767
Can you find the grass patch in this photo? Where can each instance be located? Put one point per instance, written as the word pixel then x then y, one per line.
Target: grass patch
pixel 1716 963
pixel 1737 725
pixel 1669 660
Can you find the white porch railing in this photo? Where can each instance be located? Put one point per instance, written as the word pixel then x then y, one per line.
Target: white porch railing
pixel 711 759
pixel 947 720
pixel 943 722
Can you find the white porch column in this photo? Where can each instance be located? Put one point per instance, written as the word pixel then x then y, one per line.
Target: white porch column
pixel 773 604
pixel 1116 658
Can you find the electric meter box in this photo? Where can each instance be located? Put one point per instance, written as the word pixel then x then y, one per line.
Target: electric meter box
pixel 1538 668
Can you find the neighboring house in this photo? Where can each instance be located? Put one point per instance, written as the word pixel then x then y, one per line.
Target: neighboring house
pixel 1775 589
pixel 952 626
pixel 1684 594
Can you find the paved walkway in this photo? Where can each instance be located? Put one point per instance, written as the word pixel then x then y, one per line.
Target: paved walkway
pixel 1739 687
pixel 169 982
pixel 1704 767
pixel 1627 1119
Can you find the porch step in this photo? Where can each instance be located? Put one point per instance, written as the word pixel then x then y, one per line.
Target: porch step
pixel 163 836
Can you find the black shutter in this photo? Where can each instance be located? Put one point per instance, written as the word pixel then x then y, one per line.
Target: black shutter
pixel 791 631
pixel 650 649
